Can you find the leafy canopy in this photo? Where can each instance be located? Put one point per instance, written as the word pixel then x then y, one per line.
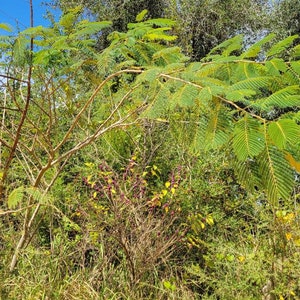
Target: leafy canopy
pixel 232 100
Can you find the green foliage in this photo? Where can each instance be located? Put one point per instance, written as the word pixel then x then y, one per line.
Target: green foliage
pixel 15 197
pixel 248 139
pixel 218 151
pixel 5 27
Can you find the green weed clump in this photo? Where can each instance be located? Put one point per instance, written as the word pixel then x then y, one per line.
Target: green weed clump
pixel 145 233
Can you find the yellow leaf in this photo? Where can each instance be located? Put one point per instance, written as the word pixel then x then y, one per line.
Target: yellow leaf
pixel 297 241
pixel 141 15
pixel 95 194
pixel 89 164
pixel 288 236
pixel 167 184
pixel 241 258
pixel 164 192
pixel 209 220
pixel 289 217
pixel 173 191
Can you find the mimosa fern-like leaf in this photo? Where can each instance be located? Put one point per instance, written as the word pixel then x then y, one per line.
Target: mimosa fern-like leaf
pixel 255 84
pixel 255 49
pixel 284 131
pixel 276 175
pixel 281 46
pixel 286 97
pixel 248 139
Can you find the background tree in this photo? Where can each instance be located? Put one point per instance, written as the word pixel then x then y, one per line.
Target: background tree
pixel 201 24
pixel 204 24
pixel 286 17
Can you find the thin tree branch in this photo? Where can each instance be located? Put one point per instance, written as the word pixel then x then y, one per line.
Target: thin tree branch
pixel 90 100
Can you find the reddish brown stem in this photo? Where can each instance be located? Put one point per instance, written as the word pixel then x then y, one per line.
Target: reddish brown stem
pixel 23 116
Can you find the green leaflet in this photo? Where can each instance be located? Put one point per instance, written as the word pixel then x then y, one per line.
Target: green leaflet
pixel 149 75
pixel 159 104
pixel 205 95
pixel 37 195
pixel 20 49
pixel 296 67
pixel 161 22
pixel 275 66
pixel 245 69
pixel 255 49
pixel 279 47
pixel 276 175
pixel 39 31
pixel 213 129
pixel 247 173
pixel 170 55
pixel 240 95
pixel 255 84
pixel 67 20
pixel 296 52
pixel 88 28
pixel 15 197
pixel 158 34
pixel 186 95
pixel 5 27
pixel 140 17
pixel 286 97
pixel 228 46
pixel 248 139
pixel 284 131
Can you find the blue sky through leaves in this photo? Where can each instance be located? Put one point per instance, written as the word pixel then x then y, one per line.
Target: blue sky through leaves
pixel 16 13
